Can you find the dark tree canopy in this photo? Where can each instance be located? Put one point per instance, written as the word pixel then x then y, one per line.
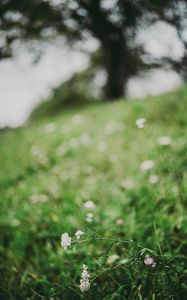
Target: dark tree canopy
pixel 114 23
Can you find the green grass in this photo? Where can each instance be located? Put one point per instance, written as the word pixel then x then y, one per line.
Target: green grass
pixel 45 178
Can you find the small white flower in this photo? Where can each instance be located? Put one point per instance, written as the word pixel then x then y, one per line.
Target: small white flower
pixel 65 240
pixel 89 217
pixel 85 139
pixel 127 184
pixel 89 204
pixel 49 128
pixel 140 123
pixel 164 140
pixel 153 179
pixel 147 165
pixel 77 119
pixel 78 234
pixel 113 127
pixel 85 279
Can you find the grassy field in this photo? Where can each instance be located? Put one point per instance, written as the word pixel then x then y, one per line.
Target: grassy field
pixel 50 168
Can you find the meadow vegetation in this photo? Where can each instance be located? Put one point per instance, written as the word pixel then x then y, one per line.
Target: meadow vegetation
pixel 135 226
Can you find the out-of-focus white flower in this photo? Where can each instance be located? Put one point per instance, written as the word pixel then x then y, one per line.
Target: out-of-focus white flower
pixel 147 165
pixel 35 150
pixel 127 184
pixel 65 240
pixel 89 217
pixel 85 139
pixel 164 140
pixel 102 147
pixel 66 129
pixel 149 261
pixel 77 119
pixel 85 279
pixel 140 123
pixel 113 158
pixel 89 204
pixel 112 259
pixel 113 127
pixel 78 234
pixel 49 128
pixel 61 150
pixel 153 179
pixel 73 143
pixel 39 198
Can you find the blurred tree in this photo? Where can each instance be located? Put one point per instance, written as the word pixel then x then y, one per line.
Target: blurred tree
pixel 114 23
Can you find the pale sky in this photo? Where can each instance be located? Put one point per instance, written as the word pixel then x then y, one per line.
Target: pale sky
pixel 23 84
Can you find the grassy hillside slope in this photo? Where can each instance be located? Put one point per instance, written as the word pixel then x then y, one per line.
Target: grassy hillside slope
pixel 50 168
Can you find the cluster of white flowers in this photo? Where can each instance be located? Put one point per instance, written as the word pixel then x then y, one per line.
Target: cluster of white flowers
pixel 140 123
pixel 66 239
pixel 89 217
pixel 89 205
pixel 85 279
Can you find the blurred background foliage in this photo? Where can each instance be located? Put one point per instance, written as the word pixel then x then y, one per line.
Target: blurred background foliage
pixel 115 24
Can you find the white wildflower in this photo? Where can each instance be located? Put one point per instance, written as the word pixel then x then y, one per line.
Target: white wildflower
pixel 147 165
pixel 85 139
pixel 66 129
pixel 89 204
pixel 140 123
pixel 89 217
pixel 77 119
pixel 85 279
pixel 153 179
pixel 164 140
pixel 78 234
pixel 113 127
pixel 49 128
pixel 65 240
pixel 127 184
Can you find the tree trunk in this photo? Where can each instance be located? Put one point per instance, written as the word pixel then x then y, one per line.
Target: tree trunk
pixel 114 57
